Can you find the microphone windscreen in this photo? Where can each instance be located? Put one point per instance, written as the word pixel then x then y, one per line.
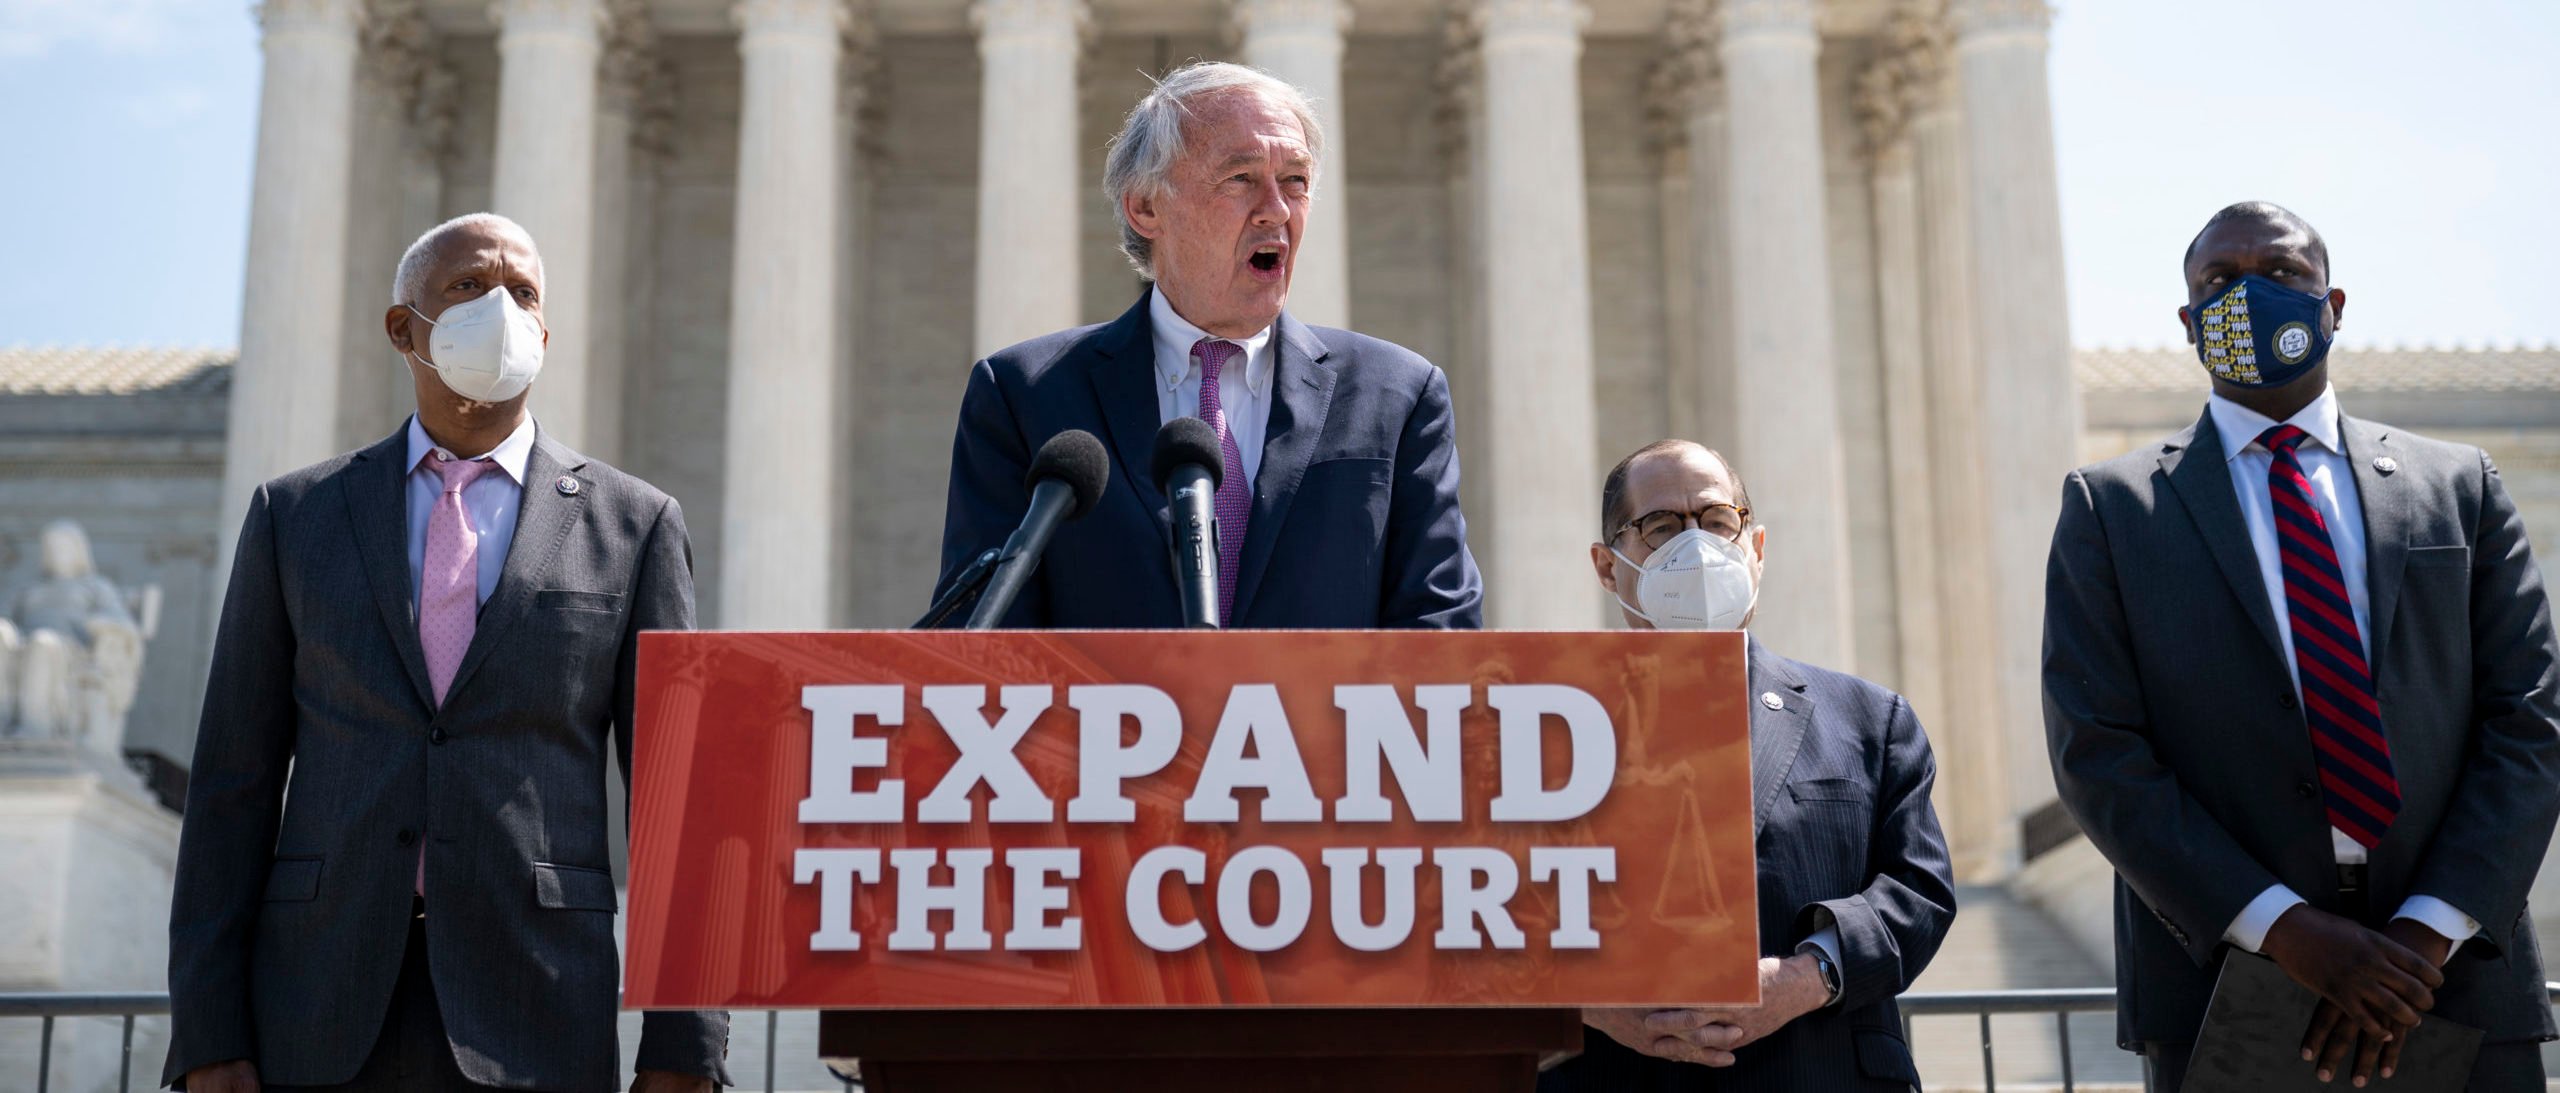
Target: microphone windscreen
pixel 1187 441
pixel 1077 459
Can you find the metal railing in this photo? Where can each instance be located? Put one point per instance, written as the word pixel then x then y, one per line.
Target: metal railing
pixel 1981 1005
pixel 2061 1004
pixel 49 1008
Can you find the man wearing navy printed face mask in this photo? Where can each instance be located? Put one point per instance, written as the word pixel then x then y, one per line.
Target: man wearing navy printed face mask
pixel 2301 690
pixel 1839 762
pixel 393 873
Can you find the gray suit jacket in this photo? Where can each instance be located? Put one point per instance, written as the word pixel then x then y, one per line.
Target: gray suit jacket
pixel 2177 744
pixel 322 765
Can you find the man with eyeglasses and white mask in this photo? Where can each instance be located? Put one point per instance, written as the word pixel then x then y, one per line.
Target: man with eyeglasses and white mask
pixel 1855 890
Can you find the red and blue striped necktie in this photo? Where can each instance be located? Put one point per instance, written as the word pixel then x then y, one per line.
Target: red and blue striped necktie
pixel 2328 654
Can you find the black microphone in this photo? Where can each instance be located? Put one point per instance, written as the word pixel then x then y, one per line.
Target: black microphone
pixel 1065 479
pixel 1188 466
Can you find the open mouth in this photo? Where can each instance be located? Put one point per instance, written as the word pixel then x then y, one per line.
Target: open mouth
pixel 1265 259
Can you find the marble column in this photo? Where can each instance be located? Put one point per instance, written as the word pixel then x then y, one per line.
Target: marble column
pixel 1710 415
pixel 1974 752
pixel 2030 402
pixel 1671 89
pixel 1300 41
pixel 546 181
pixel 781 481
pixel 1028 169
pixel 623 241
pixel 1537 289
pixel 1786 387
pixel 1458 123
pixel 284 392
pixel 1893 185
pixel 397 53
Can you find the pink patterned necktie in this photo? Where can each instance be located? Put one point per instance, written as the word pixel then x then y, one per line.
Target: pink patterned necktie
pixel 448 587
pixel 1235 496
pixel 449 581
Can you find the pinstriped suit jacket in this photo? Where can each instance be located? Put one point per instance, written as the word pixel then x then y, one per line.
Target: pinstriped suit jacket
pixel 1846 836
pixel 321 767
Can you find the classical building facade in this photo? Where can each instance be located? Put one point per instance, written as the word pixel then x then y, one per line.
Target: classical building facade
pixel 1821 235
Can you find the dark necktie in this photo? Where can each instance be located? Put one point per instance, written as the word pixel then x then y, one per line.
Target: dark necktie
pixel 2328 654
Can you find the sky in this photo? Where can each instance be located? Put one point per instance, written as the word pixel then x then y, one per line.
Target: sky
pixel 2423 139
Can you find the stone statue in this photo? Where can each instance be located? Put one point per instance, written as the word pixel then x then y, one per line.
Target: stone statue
pixel 71 651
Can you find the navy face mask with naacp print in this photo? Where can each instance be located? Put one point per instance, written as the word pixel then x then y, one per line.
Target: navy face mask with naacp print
pixel 2257 333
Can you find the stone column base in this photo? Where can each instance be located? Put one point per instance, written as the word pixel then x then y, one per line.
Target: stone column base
pixel 88 858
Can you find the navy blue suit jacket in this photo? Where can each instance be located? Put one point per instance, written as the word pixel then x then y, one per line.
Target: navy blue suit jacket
pixel 1355 512
pixel 1845 836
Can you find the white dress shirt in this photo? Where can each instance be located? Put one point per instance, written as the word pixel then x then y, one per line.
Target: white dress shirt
pixel 491 501
pixel 2333 493
pixel 1244 393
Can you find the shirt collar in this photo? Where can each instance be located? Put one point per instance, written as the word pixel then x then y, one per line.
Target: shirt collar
pixel 510 455
pixel 1175 336
pixel 2240 425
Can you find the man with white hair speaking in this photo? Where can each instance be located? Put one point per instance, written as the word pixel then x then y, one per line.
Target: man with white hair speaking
pixel 1338 502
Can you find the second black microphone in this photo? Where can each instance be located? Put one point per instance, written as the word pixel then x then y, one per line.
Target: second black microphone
pixel 1188 465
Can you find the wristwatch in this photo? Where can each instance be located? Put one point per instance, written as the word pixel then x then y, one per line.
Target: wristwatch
pixel 1830 972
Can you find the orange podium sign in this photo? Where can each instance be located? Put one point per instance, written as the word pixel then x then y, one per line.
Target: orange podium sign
pixel 1191 818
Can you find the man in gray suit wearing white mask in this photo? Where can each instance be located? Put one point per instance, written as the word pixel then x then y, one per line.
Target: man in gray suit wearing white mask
pixel 393 872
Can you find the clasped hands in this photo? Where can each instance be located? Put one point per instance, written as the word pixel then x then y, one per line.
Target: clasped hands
pixel 1790 987
pixel 2372 986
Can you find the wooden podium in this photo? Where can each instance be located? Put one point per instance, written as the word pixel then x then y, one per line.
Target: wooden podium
pixel 1230 1051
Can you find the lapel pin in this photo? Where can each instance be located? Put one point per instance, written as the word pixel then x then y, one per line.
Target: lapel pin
pixel 2385 465
pixel 567 486
pixel 1771 700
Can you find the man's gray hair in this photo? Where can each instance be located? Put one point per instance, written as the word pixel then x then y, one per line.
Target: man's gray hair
pixel 1150 141
pixel 409 282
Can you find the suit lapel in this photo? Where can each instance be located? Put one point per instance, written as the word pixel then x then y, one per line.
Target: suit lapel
pixel 544 517
pixel 1776 735
pixel 2387 521
pixel 1302 390
pixel 2201 479
pixel 1122 369
pixel 377 493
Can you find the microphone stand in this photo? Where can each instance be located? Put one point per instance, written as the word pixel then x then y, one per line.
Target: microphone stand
pixel 964 588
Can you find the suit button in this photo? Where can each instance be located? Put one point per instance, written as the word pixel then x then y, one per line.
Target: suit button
pixel 2305 790
pixel 2286 700
pixel 436 736
pixel 408 837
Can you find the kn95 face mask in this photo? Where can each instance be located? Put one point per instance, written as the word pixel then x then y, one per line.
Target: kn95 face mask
pixel 487 350
pixel 1696 581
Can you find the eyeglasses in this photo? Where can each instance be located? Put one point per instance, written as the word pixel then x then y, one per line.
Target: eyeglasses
pixel 1660 526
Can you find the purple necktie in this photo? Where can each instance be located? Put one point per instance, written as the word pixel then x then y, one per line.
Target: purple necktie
pixel 2353 756
pixel 1235 497
pixel 448 586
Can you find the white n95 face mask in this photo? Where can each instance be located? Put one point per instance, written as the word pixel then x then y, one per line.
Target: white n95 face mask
pixel 486 350
pixel 1697 581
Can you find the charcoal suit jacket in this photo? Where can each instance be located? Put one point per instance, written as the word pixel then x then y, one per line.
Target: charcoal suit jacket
pixel 1845 837
pixel 322 766
pixel 2179 745
pixel 1355 521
